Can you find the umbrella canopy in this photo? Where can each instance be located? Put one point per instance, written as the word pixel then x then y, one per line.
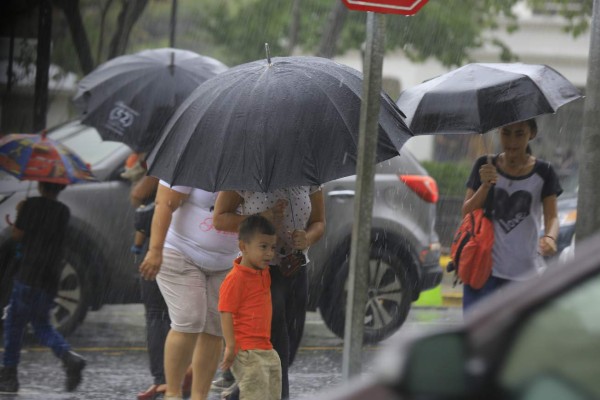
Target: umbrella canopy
pixel 36 157
pixel 129 98
pixel 267 125
pixel 477 98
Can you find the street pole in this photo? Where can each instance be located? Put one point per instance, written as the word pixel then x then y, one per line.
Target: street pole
pixel 363 207
pixel 588 205
pixel 42 65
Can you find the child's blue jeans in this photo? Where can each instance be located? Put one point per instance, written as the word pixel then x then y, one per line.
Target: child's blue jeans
pixel 29 304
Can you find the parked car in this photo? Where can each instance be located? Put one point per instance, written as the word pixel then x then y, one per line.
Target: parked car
pixel 405 248
pixel 534 340
pixel 567 215
pixel 100 269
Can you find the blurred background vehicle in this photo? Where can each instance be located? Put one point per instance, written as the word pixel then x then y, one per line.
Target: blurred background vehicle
pixel 98 266
pixel 100 269
pixel 534 340
pixel 567 216
pixel 405 249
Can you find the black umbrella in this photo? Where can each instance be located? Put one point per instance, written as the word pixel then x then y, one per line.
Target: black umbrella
pixel 130 98
pixel 262 126
pixel 477 98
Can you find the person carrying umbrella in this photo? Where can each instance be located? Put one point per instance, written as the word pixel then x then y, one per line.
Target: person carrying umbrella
pixel 525 190
pixel 129 99
pixel 40 231
pixel 189 259
pixel 298 214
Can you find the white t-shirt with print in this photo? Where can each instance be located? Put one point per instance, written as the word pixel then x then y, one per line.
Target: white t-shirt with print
pixel 193 235
pixel 518 211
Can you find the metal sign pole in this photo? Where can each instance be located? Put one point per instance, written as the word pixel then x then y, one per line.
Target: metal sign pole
pixel 588 208
pixel 363 206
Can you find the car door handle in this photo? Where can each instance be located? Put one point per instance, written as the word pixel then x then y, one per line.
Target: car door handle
pixel 341 194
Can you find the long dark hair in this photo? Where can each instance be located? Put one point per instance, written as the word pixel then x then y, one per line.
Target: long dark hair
pixel 534 128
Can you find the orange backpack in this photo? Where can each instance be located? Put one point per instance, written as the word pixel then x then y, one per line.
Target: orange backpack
pixel 471 249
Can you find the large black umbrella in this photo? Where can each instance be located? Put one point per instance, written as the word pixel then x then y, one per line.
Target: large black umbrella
pixel 130 98
pixel 262 126
pixel 477 98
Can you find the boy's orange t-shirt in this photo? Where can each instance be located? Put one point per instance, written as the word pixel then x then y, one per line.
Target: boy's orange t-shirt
pixel 246 294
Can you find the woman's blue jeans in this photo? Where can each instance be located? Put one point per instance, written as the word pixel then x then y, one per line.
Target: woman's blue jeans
pixel 29 304
pixel 472 296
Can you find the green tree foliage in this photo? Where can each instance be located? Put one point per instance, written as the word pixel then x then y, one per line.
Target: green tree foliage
pixel 577 12
pixel 438 30
pixel 234 31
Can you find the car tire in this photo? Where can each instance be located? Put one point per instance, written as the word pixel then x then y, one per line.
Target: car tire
pixel 74 292
pixel 389 298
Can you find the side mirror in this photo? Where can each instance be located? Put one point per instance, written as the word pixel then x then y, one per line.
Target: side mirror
pixel 436 367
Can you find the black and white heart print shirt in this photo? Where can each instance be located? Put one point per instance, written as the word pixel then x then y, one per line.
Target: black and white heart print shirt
pixel 518 214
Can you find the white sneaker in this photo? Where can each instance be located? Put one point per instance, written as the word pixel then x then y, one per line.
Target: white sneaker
pixel 226 392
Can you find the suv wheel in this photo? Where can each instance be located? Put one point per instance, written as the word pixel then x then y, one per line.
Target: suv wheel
pixel 72 299
pixel 388 301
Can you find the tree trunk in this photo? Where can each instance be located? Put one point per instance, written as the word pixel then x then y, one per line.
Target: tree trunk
pixel 103 11
pixel 588 206
pixel 130 13
pixel 332 29
pixel 82 45
pixel 294 26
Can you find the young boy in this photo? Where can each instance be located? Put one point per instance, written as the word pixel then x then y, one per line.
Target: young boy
pixel 40 228
pixel 245 306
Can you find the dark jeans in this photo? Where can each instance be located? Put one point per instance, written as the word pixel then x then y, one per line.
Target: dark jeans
pixel 472 296
pixel 289 297
pixel 157 328
pixel 29 304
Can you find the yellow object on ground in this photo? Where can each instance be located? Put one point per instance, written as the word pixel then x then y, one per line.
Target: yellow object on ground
pixel 443 295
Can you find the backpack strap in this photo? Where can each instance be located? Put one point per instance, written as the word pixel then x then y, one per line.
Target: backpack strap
pixel 488 206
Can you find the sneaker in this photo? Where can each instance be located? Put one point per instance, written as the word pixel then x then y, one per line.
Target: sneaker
pixel 9 381
pixel 73 364
pixel 231 390
pixel 223 382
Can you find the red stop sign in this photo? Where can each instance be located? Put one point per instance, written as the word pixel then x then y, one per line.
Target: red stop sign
pixel 404 7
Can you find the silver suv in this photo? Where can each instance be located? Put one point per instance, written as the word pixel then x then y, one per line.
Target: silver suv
pixel 100 269
pixel 405 248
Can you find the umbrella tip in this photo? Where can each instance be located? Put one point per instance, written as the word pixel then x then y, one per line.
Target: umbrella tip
pixel 268 53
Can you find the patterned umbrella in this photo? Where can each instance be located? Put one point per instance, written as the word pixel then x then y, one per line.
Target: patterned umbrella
pixel 35 157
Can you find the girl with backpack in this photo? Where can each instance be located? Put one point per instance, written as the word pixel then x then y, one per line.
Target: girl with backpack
pixel 525 191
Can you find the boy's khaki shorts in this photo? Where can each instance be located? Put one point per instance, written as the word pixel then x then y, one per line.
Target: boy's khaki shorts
pixel 258 374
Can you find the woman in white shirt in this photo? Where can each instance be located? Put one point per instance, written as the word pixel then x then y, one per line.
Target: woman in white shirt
pixel 189 259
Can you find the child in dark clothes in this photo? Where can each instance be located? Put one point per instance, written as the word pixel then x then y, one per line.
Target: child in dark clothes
pixel 40 229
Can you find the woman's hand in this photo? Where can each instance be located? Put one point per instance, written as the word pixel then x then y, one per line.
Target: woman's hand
pixel 547 246
pixel 151 265
pixel 300 242
pixel 488 173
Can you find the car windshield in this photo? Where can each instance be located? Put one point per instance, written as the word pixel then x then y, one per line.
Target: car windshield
pixel 85 142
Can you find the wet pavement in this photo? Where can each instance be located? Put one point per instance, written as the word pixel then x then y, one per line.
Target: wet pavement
pixel 112 340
